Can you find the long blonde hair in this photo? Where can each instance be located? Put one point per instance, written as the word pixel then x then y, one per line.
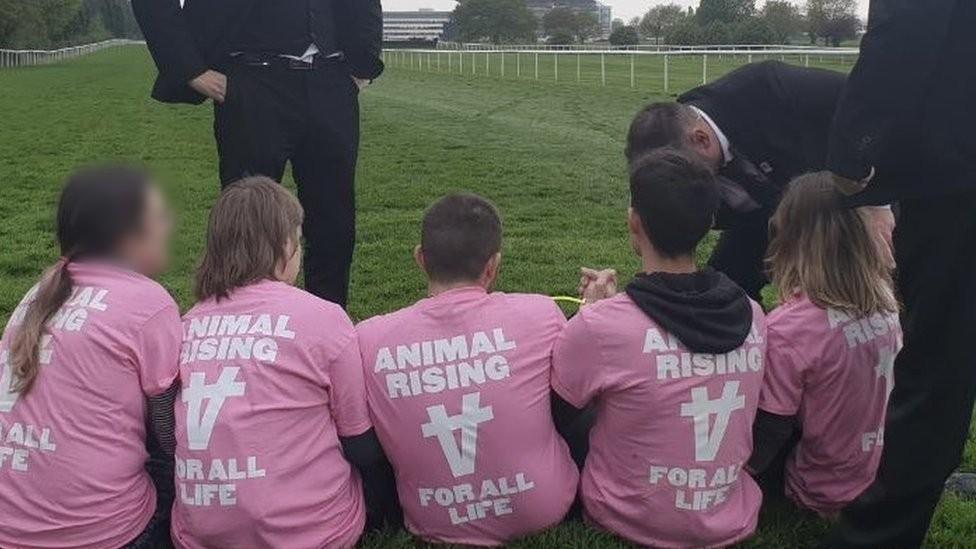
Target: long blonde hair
pixel 827 252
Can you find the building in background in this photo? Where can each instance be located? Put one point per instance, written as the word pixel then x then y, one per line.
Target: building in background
pixel 423 26
pixel 602 12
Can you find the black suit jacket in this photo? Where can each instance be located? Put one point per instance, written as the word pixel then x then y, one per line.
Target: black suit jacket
pixel 186 42
pixel 777 118
pixel 908 109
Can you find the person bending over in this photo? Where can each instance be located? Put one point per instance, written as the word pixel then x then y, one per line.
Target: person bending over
pixel 83 353
pixel 674 366
pixel 831 348
pixel 272 408
pixel 458 387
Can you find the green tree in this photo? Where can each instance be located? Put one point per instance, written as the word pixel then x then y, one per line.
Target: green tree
pixel 685 33
pixel 568 22
pixel 497 21
pixel 783 19
pixel 724 11
pixel 659 20
pixel 752 31
pixel 832 20
pixel 616 24
pixel 625 36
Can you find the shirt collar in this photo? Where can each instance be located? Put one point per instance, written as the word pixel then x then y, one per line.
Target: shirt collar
pixel 722 139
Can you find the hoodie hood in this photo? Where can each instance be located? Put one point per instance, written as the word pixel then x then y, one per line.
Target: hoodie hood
pixel 705 310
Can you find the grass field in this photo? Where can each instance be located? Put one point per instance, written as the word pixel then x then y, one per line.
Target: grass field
pixel 549 154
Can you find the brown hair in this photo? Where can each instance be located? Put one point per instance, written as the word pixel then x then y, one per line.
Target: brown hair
pixel 98 207
pixel 460 233
pixel 827 252
pixel 249 230
pixel 676 197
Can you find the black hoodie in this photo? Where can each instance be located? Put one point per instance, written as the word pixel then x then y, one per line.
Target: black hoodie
pixel 705 310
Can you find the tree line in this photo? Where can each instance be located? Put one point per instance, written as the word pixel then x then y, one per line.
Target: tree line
pixel 50 24
pixel 713 22
pixel 740 22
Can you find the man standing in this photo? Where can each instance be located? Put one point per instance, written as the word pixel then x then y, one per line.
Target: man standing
pixel 284 77
pixel 758 127
pixel 904 130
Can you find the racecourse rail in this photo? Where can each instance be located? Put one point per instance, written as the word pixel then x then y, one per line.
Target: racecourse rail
pixel 468 60
pixel 26 58
pixel 459 58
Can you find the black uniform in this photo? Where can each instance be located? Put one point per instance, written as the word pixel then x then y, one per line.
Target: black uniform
pixel 908 112
pixel 777 118
pixel 276 110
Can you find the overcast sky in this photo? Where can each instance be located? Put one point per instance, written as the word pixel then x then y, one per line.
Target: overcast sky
pixel 624 9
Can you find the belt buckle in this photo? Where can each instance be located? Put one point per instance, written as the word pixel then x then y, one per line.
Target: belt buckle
pixel 299 65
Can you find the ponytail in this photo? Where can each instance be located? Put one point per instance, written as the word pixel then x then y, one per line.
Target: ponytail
pixel 98 206
pixel 25 350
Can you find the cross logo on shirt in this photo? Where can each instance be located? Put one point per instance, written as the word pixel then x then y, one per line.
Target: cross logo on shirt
pixel 886 369
pixel 702 408
pixel 8 397
pixel 199 427
pixel 460 458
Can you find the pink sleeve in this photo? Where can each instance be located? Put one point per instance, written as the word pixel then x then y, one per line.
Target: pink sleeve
pixel 576 364
pixel 158 351
pixel 347 399
pixel 782 389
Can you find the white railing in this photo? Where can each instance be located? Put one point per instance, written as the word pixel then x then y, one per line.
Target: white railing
pixel 26 58
pixel 637 47
pixel 527 62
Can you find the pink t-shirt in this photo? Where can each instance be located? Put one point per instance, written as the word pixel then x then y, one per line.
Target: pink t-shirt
pixel 271 379
pixel 673 429
pixel 459 392
pixel 835 373
pixel 73 449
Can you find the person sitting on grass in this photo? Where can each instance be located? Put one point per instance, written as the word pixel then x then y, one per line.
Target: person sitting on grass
pixel 458 387
pixel 88 359
pixel 832 345
pixel 272 415
pixel 674 366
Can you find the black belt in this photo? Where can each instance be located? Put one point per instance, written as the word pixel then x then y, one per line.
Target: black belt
pixel 258 60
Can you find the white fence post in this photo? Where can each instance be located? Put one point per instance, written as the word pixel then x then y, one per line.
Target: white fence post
pixel 603 68
pixel 667 83
pixel 536 66
pixel 578 74
pixel 704 69
pixel 555 67
pixel 518 65
pixel 633 77
pixel 503 64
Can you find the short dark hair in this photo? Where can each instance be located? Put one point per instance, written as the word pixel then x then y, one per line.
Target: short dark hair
pixel 460 233
pixel 658 125
pixel 676 197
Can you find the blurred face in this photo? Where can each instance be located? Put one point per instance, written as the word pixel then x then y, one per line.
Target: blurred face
pixel 288 273
pixel 147 250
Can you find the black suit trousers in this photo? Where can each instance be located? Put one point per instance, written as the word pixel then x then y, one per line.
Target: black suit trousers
pixel 935 376
pixel 273 115
pixel 741 251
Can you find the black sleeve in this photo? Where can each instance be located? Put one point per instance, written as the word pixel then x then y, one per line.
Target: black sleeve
pixel 360 24
pixel 169 40
pixel 574 426
pixel 379 482
pixel 161 444
pixel 161 419
pixel 770 434
pixel 889 82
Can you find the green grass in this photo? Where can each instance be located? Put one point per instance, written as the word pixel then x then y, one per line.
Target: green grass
pixel 549 154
